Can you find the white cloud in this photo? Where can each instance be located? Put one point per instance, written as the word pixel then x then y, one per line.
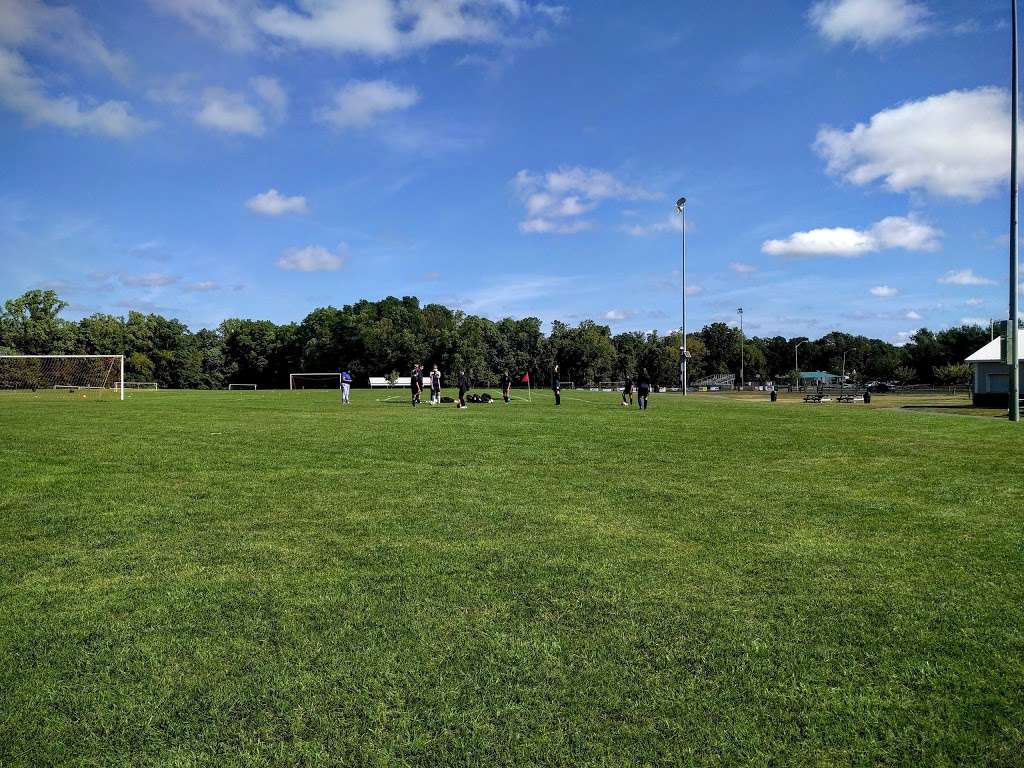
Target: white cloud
pixel 869 22
pixel 360 102
pixel 953 145
pixel 904 232
pixel 395 27
pixel 884 291
pixel 912 315
pixel 271 91
pixel 21 92
pixel 60 30
pixel 974 302
pixel 230 112
pixel 964 277
pixel 273 203
pixel 313 258
pixel 556 201
pixel 741 268
pixel 670 223
pixel 982 321
pixel 226 21
pixel 149 280
pixel 618 315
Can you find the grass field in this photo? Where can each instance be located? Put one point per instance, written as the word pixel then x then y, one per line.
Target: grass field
pixel 266 578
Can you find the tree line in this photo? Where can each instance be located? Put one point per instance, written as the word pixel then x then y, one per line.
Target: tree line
pixel 373 338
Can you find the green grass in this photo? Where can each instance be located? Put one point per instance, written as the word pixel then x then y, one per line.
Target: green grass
pixel 266 578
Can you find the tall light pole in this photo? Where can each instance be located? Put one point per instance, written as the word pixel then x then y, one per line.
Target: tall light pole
pixel 742 380
pixel 683 353
pixel 1012 330
pixel 796 360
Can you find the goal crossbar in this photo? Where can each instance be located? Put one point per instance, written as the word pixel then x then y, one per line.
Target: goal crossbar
pixel 325 374
pixel 116 380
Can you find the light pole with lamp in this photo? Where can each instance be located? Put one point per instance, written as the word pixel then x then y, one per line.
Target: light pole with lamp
pixel 742 379
pixel 796 360
pixel 1012 328
pixel 683 352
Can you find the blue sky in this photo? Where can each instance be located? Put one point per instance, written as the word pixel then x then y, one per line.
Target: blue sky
pixel 844 160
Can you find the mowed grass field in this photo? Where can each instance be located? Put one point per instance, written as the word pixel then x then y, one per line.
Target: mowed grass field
pixel 267 578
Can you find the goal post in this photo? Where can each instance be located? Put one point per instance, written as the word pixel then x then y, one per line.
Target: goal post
pixel 236 387
pixel 330 380
pixel 63 373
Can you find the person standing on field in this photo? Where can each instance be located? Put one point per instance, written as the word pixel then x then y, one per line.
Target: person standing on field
pixel 346 385
pixel 627 393
pixel 556 386
pixel 463 388
pixel 416 384
pixel 643 389
pixel 435 385
pixel 506 386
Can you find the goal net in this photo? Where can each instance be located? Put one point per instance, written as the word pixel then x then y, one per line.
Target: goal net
pixel 91 376
pixel 141 385
pixel 314 381
pixel 233 387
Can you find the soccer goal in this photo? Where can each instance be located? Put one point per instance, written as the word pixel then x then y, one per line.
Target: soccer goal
pixel 92 375
pixel 141 385
pixel 232 387
pixel 314 381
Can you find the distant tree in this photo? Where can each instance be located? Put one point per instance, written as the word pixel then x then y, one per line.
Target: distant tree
pixel 31 324
pixel 953 374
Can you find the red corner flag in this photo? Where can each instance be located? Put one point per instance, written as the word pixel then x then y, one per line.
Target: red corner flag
pixel 526 378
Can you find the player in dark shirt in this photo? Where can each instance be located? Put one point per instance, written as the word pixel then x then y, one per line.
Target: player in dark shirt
pixel 643 389
pixel 506 386
pixel 416 384
pixel 556 386
pixel 463 388
pixel 627 393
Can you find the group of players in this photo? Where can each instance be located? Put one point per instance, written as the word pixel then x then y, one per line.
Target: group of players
pixel 642 386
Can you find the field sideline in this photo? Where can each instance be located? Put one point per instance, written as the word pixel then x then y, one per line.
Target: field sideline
pixel 267 578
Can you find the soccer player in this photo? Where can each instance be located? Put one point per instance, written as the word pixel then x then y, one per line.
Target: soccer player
pixel 643 389
pixel 416 384
pixel 435 385
pixel 627 393
pixel 463 388
pixel 346 385
pixel 556 386
pixel 506 386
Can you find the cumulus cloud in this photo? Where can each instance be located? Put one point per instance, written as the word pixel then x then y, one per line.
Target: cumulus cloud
pixel 273 203
pixel 557 201
pixel 742 268
pixel 952 145
pixel 360 103
pixel 313 258
pixel 884 291
pixel 370 27
pixel 230 112
pixel 964 277
pixel 22 92
pixel 869 22
pixel 912 315
pixel 904 232
pixel 273 94
pixel 58 30
pixel 618 315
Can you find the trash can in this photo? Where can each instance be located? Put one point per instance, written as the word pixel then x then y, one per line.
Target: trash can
pixel 867 396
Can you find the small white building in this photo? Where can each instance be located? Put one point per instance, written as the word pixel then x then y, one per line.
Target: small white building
pixel 991 381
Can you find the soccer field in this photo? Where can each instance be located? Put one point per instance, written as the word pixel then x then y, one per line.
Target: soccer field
pixel 267 578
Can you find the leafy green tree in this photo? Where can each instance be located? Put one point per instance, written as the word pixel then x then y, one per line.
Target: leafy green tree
pixel 31 324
